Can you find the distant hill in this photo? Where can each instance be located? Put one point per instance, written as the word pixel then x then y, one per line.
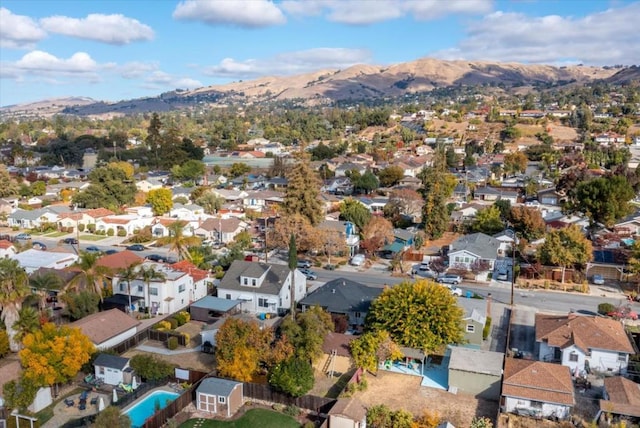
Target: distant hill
pixel 354 83
pixel 47 107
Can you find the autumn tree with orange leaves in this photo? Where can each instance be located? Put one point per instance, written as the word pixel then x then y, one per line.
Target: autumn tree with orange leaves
pixel 376 234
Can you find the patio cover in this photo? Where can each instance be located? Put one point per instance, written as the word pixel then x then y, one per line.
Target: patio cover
pixel 416 354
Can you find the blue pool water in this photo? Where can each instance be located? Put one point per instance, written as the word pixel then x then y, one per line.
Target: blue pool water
pixel 147 407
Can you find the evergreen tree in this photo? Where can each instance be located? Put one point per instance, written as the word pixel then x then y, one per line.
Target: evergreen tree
pixel 437 187
pixel 293 264
pixel 302 195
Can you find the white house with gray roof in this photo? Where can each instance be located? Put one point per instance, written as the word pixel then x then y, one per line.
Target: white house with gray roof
pixel 262 287
pixel 466 250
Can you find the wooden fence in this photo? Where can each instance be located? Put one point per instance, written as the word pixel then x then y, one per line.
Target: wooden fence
pixel 308 402
pixel 147 334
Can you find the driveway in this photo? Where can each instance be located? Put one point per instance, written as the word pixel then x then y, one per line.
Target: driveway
pixel 523 331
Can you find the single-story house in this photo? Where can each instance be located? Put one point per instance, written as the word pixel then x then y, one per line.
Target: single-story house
pixel 108 328
pixel 477 372
pixel 583 343
pixel 219 396
pixel 536 388
pixel 468 249
pixel 549 196
pixel 111 369
pixel 621 400
pixel 7 249
pixel 221 230
pixel 32 260
pixel 347 413
pixel 210 308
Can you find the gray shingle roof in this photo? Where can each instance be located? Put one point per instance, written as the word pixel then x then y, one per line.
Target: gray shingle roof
pixel 217 386
pixel 481 245
pixel 111 361
pixel 276 275
pixel 342 296
pixel 476 361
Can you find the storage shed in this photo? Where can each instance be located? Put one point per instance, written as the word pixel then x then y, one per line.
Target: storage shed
pixel 477 372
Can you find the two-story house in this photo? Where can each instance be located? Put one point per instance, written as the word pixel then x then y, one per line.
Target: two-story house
pixel 583 343
pixel 262 287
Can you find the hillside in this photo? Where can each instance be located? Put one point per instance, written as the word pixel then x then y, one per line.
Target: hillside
pixel 354 83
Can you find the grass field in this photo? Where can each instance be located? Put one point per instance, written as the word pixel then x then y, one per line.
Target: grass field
pixel 56 234
pixel 253 418
pixel 92 237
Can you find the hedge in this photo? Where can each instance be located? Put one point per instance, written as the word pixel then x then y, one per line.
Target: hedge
pixel 486 329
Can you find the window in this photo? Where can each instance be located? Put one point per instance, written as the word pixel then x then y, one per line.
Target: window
pixel 262 302
pixel 228 296
pixel 153 291
pixel 471 328
pixel 245 281
pixel 358 314
pixel 121 286
pixel 254 282
pixel 181 288
pixel 101 370
pixel 222 399
pixel 536 404
pixel 622 357
pixel 139 288
pixel 573 357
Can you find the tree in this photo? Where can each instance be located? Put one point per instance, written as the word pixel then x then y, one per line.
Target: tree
pixel 481 422
pixel 92 275
pixel 420 314
pixel 150 367
pixel 354 211
pixel 128 274
pixel 366 183
pixel 293 264
pixel 515 162
pixel 240 348
pixel 390 176
pixel 237 169
pixel 54 354
pixel 4 343
pixel 528 222
pixel 381 416
pixel 14 288
pixel 306 333
pixel 293 377
pixel 604 200
pixel 148 273
pixel 210 202
pixel 565 247
pixel 112 417
pixel 179 242
pixel 8 186
pixel 302 195
pixel 307 236
pixel 373 347
pixel 109 188
pixel 80 303
pixel 19 394
pixel 404 206
pixel 376 234
pixel 28 322
pixel 437 188
pixel 161 200
pixel 154 139
pixel 125 167
pixel 504 205
pixel 488 221
pixel 191 170
pixel 38 188
pixel 43 284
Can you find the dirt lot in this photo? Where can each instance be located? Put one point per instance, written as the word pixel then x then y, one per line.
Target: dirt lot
pixel 400 391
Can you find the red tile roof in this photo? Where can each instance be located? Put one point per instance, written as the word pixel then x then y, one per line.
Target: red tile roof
pixel 4 244
pixel 192 270
pixel 121 260
pixel 99 212
pixel 538 381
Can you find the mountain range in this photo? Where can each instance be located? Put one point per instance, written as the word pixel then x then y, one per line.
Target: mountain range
pixel 359 82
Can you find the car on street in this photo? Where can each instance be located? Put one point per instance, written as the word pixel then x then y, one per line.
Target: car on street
pixel 136 247
pixel 456 291
pixel 111 251
pixel 39 246
pixel 304 264
pixel 93 249
pixel 597 279
pixel 357 260
pixel 156 258
pixel 311 275
pixel 70 241
pixel 23 236
pixel 502 276
pixel 449 278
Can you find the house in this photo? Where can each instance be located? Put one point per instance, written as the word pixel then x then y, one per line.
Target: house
pixel 374 205
pixel 32 219
pixel 32 260
pixel 345 168
pixel 468 249
pixel 128 223
pixel 583 343
pixel 161 227
pixel 477 372
pixel 111 369
pixel 210 308
pixel 200 277
pixel 262 287
pixel 261 199
pixel 189 212
pixel 149 184
pixel 347 413
pixel 473 320
pixel 492 194
pixel 7 249
pixel 621 401
pixel 221 230
pixel 219 396
pixel 343 297
pixel 536 388
pixel 108 328
pixel 344 232
pixel 549 196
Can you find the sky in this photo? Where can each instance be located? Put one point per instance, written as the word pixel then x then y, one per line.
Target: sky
pixel 112 50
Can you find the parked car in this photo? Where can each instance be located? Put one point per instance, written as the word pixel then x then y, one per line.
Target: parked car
pixel 424 266
pixel 449 278
pixel 39 246
pixel 502 276
pixel 456 291
pixel 109 252
pixel 136 247
pixel 304 264
pixel 93 249
pixel 597 279
pixel 70 241
pixel 357 260
pixel 311 275
pixel 23 236
pixel 156 258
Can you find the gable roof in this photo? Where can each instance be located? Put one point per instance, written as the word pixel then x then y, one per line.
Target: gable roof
pixel 275 276
pixel 582 331
pixel 538 381
pixel 481 245
pixel 343 295
pixel 226 225
pixel 121 260
pixel 624 396
pixel 102 326
pixel 111 361
pixel 217 386
pixel 350 408
pixel 190 269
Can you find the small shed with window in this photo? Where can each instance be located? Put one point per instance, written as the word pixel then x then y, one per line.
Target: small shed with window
pixel 219 396
pixel 112 369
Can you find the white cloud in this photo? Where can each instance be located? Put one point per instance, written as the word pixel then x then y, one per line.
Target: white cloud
pixel 608 37
pixel 18 31
pixel 362 12
pixel 246 13
pixel 39 62
pixel 114 29
pixel 290 63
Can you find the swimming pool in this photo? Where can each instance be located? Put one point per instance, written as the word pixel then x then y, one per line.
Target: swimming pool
pixel 147 407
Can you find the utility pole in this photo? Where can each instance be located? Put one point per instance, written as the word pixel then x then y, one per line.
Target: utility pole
pixel 513 266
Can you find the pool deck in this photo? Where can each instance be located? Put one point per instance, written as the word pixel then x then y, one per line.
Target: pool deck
pixel 63 413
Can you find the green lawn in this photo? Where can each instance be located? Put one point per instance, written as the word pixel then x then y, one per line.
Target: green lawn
pixel 56 234
pixel 253 418
pixel 92 237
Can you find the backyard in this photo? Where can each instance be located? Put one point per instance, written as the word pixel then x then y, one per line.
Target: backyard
pixel 253 418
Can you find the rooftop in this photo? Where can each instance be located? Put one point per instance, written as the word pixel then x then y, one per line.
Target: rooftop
pixel 102 326
pixel 476 361
pixel 538 381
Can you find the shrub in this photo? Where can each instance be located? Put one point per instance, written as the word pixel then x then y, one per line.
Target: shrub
pixel 187 338
pixel 151 368
pixel 81 227
pixel 122 232
pixel 91 227
pixel 182 317
pixel 110 232
pixel 292 411
pixel 309 424
pixel 605 308
pixel 173 322
pixel 163 325
pixel 172 343
pixel 486 329
pixel 363 384
pixel 278 407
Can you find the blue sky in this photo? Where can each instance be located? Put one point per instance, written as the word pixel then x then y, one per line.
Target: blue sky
pixel 122 49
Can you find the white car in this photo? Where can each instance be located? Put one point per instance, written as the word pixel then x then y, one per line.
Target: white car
pixel 357 260
pixel 598 279
pixel 502 276
pixel 456 291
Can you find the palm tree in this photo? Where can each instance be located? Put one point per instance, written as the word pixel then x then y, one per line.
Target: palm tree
pixel 91 275
pixel 28 322
pixel 148 273
pixel 178 241
pixel 14 288
pixel 129 274
pixel 43 284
